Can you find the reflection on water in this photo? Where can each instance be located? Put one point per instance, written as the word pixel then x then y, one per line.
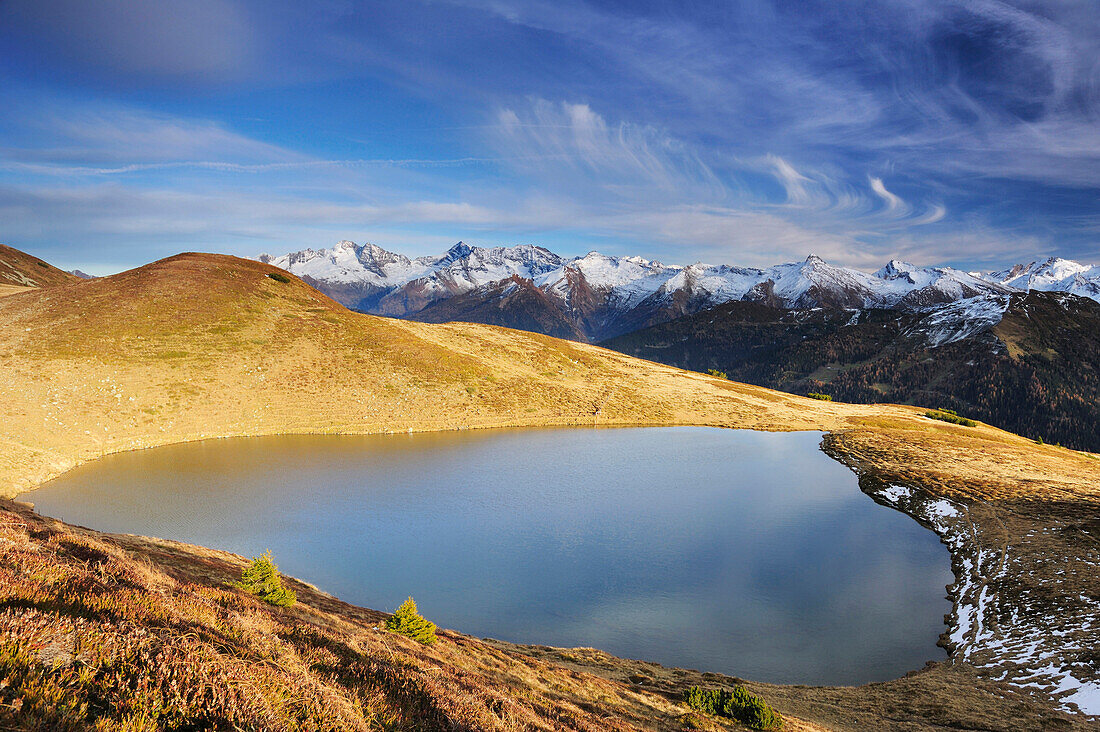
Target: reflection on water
pixel 749 553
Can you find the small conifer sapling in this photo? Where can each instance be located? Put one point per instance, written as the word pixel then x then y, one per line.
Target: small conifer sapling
pixel 408 622
pixel 261 578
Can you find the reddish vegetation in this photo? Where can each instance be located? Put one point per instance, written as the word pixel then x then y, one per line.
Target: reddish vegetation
pixel 123 632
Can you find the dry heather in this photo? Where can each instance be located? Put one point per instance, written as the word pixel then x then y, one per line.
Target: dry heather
pixel 200 346
pixel 126 633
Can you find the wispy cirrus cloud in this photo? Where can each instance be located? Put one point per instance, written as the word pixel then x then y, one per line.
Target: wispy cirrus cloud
pixel 745 132
pixel 894 204
pixel 567 145
pixel 46 130
pixel 611 182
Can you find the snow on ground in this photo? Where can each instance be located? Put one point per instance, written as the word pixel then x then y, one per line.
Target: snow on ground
pixel 1024 648
pixel 961 319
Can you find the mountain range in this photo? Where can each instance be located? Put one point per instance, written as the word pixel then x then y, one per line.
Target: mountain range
pixel 1027 362
pixel 596 297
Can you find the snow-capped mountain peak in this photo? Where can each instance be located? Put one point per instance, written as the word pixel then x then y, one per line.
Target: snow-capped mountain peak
pixel 458 252
pixel 1053 275
pixel 895 269
pixel 606 295
pixel 376 255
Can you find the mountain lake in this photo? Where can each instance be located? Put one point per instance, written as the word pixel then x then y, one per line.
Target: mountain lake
pixel 747 553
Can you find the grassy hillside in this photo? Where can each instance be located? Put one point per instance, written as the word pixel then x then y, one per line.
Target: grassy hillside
pixel 140 634
pixel 203 346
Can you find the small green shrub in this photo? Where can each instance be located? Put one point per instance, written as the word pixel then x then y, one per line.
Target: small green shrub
pixel 279 277
pixel 1038 440
pixel 819 395
pixel 409 623
pixel 948 411
pixel 739 704
pixel 261 578
pixel 946 416
pixel 717 374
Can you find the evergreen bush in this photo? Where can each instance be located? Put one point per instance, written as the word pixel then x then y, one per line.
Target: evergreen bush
pixel 409 623
pixel 739 704
pixel 279 277
pixel 261 578
pixel 948 416
pixel 717 374
pixel 818 395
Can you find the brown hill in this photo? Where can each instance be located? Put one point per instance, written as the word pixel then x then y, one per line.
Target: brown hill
pixel 19 270
pixel 204 345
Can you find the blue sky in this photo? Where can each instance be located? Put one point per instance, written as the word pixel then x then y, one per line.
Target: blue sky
pixel 964 133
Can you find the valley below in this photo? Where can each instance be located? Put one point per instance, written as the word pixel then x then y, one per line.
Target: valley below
pixel 203 346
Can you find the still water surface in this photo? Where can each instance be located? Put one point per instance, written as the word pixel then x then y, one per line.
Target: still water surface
pixel 748 553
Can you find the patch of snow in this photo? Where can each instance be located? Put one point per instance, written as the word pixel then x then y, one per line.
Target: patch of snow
pixel 941 509
pixel 1025 650
pixel 961 319
pixel 894 492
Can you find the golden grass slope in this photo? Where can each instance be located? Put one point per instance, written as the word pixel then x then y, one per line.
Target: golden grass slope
pixel 200 345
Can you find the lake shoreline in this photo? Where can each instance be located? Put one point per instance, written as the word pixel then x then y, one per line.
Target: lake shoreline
pixel 966 650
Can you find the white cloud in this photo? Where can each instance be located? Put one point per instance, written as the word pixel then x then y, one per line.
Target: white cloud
pixel 569 146
pixel 978 244
pixel 894 204
pixel 56 133
pixel 793 182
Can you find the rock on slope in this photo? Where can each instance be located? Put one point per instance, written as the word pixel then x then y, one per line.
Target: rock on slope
pixel 512 303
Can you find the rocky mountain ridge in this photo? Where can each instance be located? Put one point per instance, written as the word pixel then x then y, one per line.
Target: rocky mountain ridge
pixel 1026 362
pixel 597 296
